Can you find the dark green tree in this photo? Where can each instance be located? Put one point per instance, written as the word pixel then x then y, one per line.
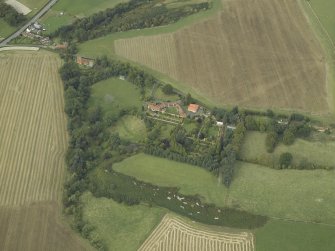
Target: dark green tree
pixel 285 160
pixel 167 89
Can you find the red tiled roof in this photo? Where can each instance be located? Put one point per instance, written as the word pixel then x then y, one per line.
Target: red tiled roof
pixel 193 108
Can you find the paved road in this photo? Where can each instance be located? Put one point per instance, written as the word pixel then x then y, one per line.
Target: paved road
pixel 33 20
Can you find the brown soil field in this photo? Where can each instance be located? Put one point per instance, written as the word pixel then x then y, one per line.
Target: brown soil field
pixel 174 234
pixel 257 53
pixel 33 142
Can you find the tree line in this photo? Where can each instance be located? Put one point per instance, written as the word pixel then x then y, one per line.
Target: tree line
pixel 135 14
pixel 91 143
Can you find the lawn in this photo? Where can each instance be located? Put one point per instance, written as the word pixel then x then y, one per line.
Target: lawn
pixel 131 128
pixel 114 95
pixel 290 194
pixel 321 153
pixel 5 29
pixel 121 227
pixel 73 9
pixel 294 236
pixel 190 179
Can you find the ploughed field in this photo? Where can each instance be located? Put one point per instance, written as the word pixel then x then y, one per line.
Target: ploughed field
pixel 252 53
pixel 33 141
pixel 174 234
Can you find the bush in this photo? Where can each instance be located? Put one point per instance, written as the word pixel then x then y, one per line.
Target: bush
pixel 288 137
pixel 271 141
pixel 285 160
pixel 167 89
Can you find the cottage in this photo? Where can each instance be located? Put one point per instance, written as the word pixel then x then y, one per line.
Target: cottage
pixel 219 123
pixel 193 108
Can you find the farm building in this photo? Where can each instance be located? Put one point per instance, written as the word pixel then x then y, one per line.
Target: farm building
pixel 85 61
pixel 193 108
pixel 160 107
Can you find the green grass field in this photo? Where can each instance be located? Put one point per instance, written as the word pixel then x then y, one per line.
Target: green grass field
pixel 325 11
pixel 321 153
pixel 320 15
pixel 5 29
pixel 121 227
pixel 105 45
pixel 114 94
pixel 294 236
pixel 73 9
pixel 131 128
pixel 160 95
pixel 190 179
pixel 289 194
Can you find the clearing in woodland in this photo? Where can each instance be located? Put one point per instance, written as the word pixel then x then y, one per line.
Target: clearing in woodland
pixel 260 54
pixel 174 234
pixel 33 141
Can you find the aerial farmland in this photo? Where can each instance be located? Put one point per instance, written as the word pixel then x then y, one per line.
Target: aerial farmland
pixel 33 143
pixel 182 125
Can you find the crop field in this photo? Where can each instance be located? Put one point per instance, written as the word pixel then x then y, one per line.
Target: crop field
pixel 256 54
pixel 36 227
pixel 34 5
pixel 33 141
pixel 174 234
pixel 254 150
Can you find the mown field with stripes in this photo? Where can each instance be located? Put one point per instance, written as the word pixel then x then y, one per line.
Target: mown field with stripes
pixel 174 234
pixel 33 142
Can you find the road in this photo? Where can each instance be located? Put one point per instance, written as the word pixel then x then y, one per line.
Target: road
pixel 33 20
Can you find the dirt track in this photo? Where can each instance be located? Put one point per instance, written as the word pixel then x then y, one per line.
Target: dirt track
pixel 256 53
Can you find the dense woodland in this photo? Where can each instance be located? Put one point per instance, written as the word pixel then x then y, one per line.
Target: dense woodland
pixel 135 14
pixel 10 15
